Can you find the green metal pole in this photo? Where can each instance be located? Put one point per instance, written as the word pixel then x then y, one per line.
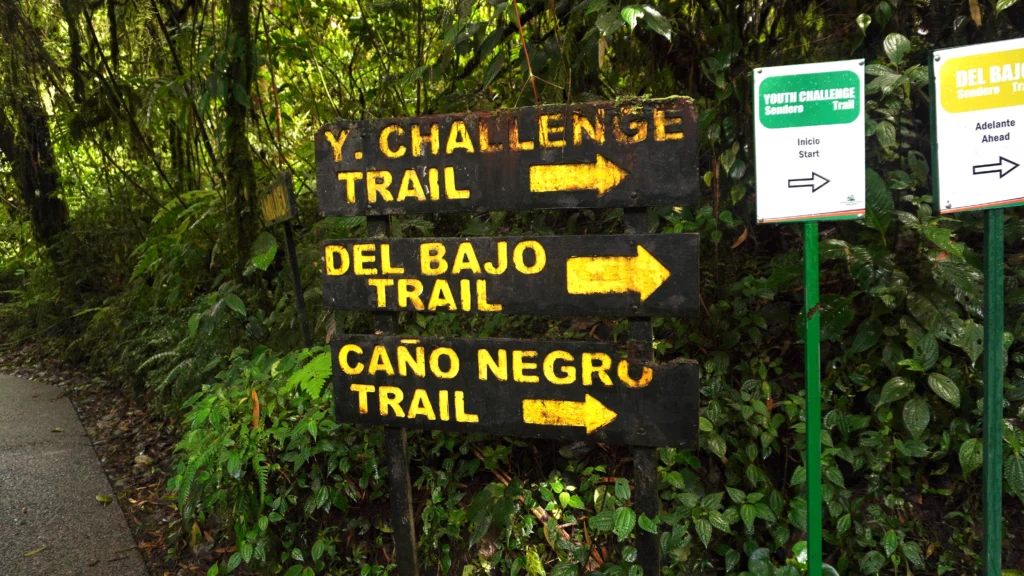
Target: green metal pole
pixel 992 423
pixel 813 375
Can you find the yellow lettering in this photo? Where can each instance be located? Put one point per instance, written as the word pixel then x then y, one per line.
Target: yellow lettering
pixel 350 178
pixel 661 122
pixel 482 305
pixel 460 409
pixel 385 261
pixel 380 284
pixel 458 138
pixel 551 136
pixel 638 127
pixel 337 142
pixel 441 295
pixel 465 295
pixel 410 187
pixel 343 360
pixel 434 184
pixel 453 363
pixel 418 140
pixel 420 405
pixel 645 376
pixel 596 363
pixel 484 137
pixel 432 261
pixel 513 137
pixel 465 259
pixel 380 362
pixel 594 131
pixel 406 361
pixel 409 291
pixel 568 375
pixel 363 390
pixel 362 254
pixel 451 190
pixel 342 266
pixel 442 405
pixel 385 146
pixel 540 258
pixel 390 397
pixel 502 260
pixel 377 182
pixel 485 362
pixel 520 365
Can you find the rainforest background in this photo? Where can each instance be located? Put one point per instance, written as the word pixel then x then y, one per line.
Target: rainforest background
pixel 136 134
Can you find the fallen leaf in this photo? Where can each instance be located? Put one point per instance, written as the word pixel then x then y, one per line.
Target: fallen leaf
pixel 104 499
pixel 36 551
pixel 740 240
pixel 143 460
pixel 57 430
pixel 975 12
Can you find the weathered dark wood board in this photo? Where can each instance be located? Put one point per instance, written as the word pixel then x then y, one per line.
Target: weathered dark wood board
pixel 568 156
pixel 537 389
pixel 613 275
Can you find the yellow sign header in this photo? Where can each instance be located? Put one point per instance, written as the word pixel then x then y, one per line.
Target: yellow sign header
pixel 982 82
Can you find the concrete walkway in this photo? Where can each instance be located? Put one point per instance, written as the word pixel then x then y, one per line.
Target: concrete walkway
pixel 50 520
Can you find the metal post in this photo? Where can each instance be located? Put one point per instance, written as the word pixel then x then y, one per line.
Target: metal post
pixel 812 355
pixel 992 424
pixel 300 300
pixel 645 460
pixel 395 446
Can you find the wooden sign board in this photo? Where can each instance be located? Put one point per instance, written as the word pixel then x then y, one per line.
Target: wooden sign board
pixel 614 275
pixel 277 203
pixel 538 389
pixel 569 156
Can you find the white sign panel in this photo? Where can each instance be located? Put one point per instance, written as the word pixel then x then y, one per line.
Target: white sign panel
pixel 809 141
pixel 979 125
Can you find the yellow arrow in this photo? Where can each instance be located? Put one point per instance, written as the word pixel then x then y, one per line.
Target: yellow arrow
pixel 590 413
pixel 615 274
pixel 602 176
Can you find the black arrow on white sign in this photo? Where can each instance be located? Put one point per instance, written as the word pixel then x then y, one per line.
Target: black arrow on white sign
pixel 1003 167
pixel 815 182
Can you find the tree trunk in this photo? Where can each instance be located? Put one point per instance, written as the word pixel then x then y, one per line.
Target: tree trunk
pixel 241 179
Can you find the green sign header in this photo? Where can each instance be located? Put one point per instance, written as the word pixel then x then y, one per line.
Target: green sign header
pixel 817 99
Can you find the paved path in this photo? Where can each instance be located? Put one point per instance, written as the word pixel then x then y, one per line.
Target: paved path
pixel 48 487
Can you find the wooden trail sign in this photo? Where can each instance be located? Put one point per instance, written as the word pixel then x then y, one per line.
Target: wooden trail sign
pixel 277 203
pixel 539 389
pixel 569 156
pixel 614 275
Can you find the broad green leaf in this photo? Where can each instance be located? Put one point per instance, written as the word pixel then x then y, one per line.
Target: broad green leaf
pixel 912 551
pixel 844 523
pixel 609 22
pixel 703 528
pixel 1014 473
pixel 264 248
pixel 748 514
pixel 193 324
pixel 705 425
pixel 625 520
pixel 657 23
pixel 890 541
pixel 631 15
pixel 896 389
pixel 916 415
pixel 872 562
pixel 603 521
pixel 944 388
pixel 970 455
pixel 863 21
pixel 646 524
pixel 896 47
pixel 879 202
pixel 622 491
pixel 886 134
pixel 1004 4
pixel 235 304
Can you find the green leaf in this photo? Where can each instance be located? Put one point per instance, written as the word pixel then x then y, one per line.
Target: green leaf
pixel 886 134
pixel 872 562
pixel 912 551
pixel 193 324
pixel 622 491
pixel 916 415
pixel 704 424
pixel 214 570
pixel 609 22
pixel 646 524
pixel 1004 4
pixel 1014 473
pixel 603 521
pixel 926 352
pixel 896 47
pixel 879 202
pixel 863 21
pixel 625 520
pixel 264 249
pixel 844 523
pixel 718 521
pixel 890 541
pixel 631 15
pixel 657 23
pixel 895 389
pixel 235 303
pixel 703 528
pixel 748 514
pixel 970 455
pixel 234 561
pixel 297 555
pixel 944 388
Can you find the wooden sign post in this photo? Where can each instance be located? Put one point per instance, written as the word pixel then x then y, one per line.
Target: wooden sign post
pixel 277 205
pixel 626 155
pixel 977 109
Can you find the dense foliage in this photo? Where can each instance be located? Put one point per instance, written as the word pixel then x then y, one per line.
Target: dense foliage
pixel 135 135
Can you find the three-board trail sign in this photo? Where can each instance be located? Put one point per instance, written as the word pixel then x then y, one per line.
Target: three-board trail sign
pixel 540 389
pixel 572 156
pixel 627 155
pixel 614 275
